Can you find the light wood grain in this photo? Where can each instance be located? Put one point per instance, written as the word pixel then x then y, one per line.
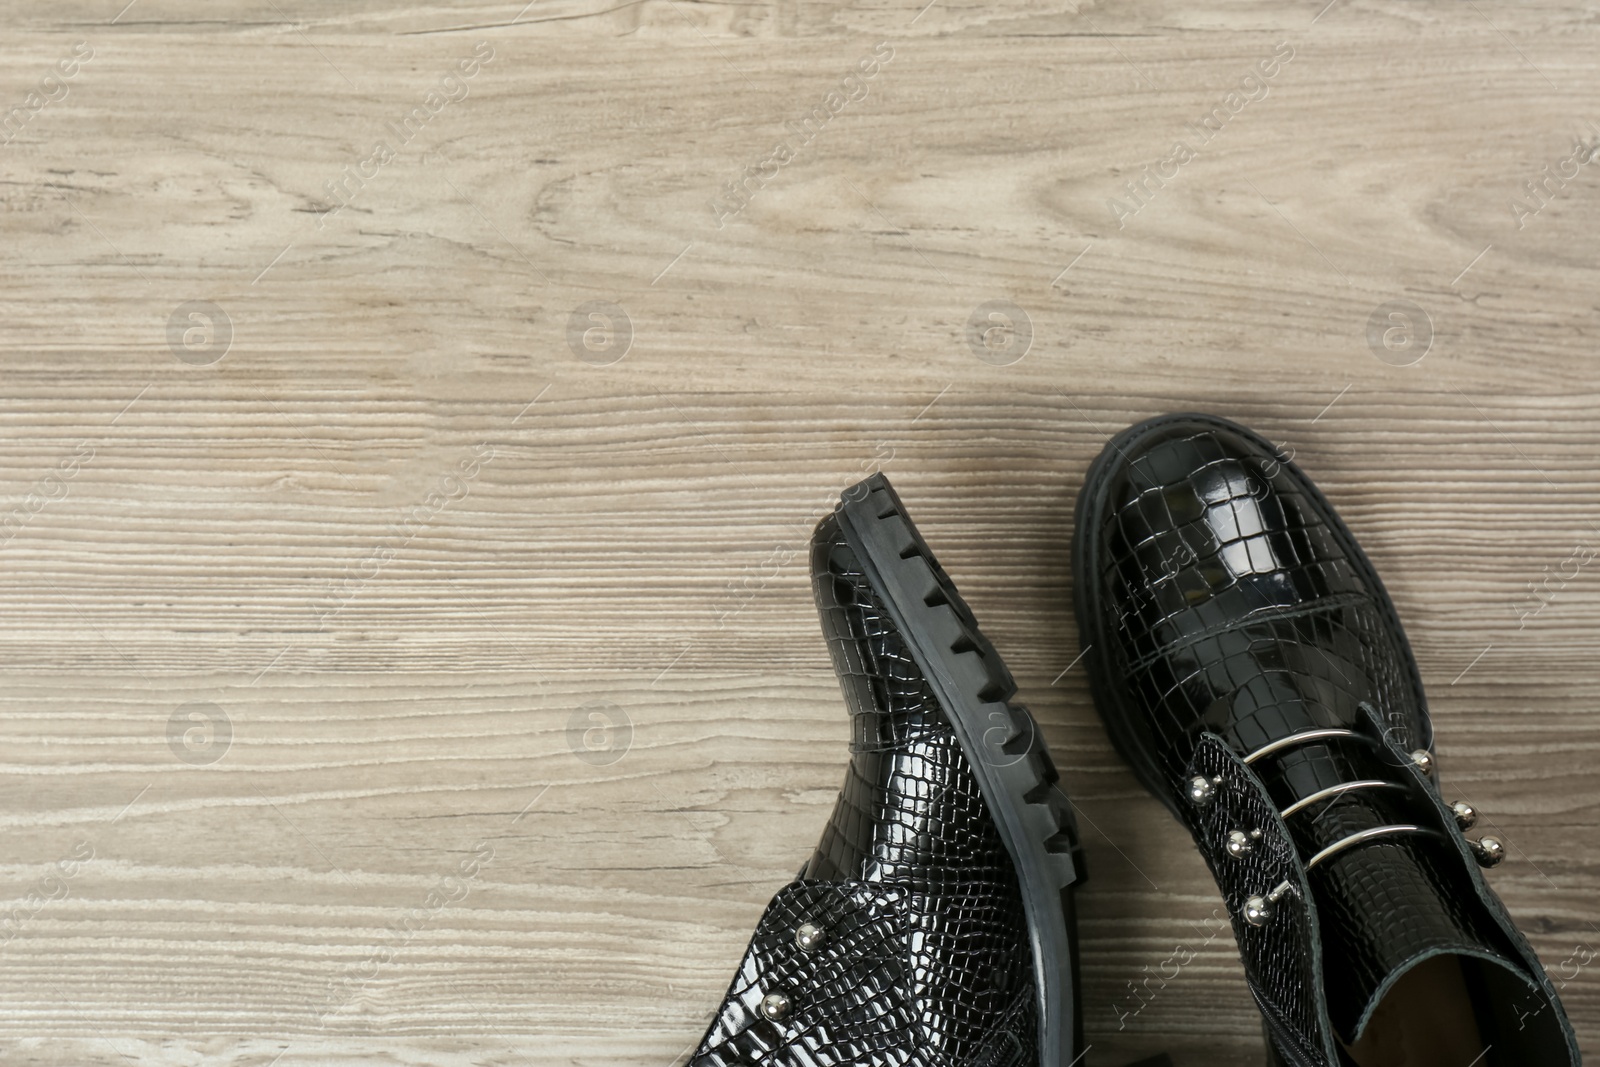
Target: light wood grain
pixel 638 534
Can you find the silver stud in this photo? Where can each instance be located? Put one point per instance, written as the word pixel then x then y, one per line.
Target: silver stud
pixel 1202 790
pixel 775 1006
pixel 1259 910
pixel 1240 843
pixel 1424 761
pixel 809 937
pixel 1466 815
pixel 1490 851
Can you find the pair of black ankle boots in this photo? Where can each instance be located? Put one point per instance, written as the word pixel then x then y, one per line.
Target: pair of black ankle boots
pixel 1249 665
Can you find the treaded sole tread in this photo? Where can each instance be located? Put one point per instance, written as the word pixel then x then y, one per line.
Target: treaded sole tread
pixel 1002 741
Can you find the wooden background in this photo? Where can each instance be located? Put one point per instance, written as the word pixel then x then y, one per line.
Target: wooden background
pixel 316 703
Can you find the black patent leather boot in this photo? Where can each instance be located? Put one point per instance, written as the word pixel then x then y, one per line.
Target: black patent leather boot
pixel 934 923
pixel 1250 666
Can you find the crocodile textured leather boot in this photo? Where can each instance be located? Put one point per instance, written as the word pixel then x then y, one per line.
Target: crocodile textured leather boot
pixel 933 925
pixel 1251 668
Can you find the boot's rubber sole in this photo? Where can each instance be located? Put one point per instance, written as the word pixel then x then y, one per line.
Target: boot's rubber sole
pixel 1000 739
pixel 1091 615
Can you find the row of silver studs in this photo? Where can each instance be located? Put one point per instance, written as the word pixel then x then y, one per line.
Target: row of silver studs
pixel 808 938
pixel 1488 849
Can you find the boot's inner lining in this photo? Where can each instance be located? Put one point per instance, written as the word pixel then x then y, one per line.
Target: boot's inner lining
pixel 1427 1019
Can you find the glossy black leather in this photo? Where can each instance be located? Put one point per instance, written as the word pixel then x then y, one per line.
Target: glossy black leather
pixel 927 960
pixel 1224 606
